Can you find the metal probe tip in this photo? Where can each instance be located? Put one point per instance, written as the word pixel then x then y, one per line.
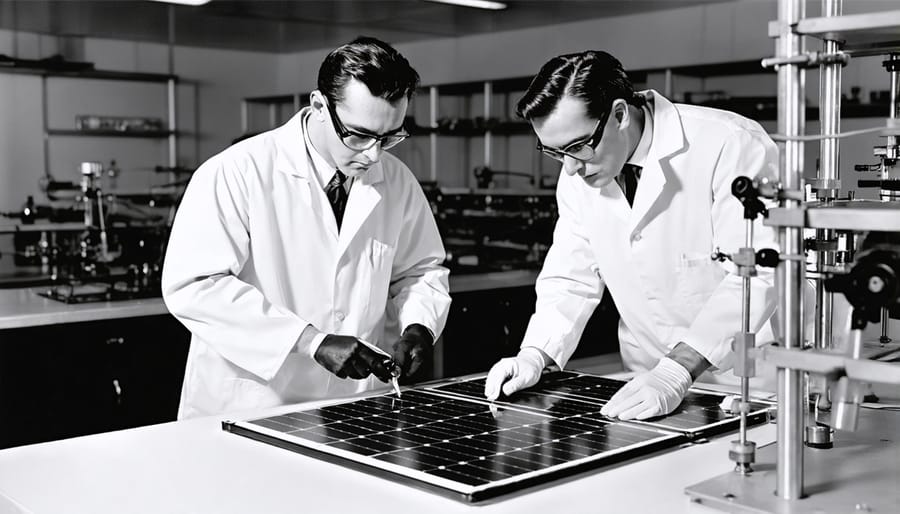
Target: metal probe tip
pixel 395 375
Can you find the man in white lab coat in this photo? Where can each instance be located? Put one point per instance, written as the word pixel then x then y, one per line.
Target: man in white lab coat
pixel 298 255
pixel 679 309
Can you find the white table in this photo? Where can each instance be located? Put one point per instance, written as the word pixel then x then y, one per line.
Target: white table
pixel 194 466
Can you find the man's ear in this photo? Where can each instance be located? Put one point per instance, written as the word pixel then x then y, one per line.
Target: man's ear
pixel 317 103
pixel 619 109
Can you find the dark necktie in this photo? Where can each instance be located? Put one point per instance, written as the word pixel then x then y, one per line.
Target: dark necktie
pixel 630 174
pixel 337 195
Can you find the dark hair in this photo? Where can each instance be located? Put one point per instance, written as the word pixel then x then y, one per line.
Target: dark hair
pixel 375 63
pixel 593 76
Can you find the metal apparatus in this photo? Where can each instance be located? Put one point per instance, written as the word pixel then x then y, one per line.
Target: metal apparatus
pixel 859 472
pixel 743 451
pixel 87 245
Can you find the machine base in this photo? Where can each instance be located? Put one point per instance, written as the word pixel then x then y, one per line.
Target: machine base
pixel 860 474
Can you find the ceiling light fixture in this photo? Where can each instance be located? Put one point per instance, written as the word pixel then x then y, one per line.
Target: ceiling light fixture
pixel 183 2
pixel 479 4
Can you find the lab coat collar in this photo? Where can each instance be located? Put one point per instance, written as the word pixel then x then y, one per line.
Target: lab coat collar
pixel 667 139
pixel 639 156
pixel 293 159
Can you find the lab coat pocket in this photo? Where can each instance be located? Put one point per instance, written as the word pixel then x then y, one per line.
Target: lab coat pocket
pixel 696 277
pixel 246 393
pixel 381 260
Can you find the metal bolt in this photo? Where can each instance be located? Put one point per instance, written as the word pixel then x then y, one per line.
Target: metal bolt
pixel 876 284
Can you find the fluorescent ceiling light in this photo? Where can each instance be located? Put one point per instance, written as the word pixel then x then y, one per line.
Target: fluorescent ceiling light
pixel 183 2
pixel 480 4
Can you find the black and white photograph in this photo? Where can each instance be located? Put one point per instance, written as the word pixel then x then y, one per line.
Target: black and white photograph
pixel 455 256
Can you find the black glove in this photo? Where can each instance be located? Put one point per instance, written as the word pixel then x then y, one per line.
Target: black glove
pixel 346 356
pixel 412 350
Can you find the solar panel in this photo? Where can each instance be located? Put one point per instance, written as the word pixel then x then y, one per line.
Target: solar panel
pixel 698 415
pixel 449 440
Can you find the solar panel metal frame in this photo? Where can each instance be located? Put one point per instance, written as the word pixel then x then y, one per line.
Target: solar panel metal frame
pixel 446 487
pixel 759 413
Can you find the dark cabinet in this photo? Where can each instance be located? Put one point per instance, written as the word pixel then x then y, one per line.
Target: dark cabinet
pixel 485 326
pixel 74 379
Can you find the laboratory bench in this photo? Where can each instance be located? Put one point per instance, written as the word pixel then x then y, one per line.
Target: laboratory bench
pixel 195 466
pixel 23 307
pixel 120 364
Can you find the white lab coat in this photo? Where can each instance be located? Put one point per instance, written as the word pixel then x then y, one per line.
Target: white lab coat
pixel 655 257
pixel 255 256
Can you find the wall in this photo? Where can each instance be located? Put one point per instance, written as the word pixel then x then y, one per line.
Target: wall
pixel 682 36
pixel 212 84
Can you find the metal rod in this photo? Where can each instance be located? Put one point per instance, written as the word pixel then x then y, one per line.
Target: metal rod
pixel 432 137
pixel 895 98
pixel 488 94
pixel 669 83
pixel 245 116
pixel 173 126
pixel 885 326
pixel 171 95
pixel 745 326
pixel 44 103
pixel 829 172
pixel 273 115
pixel 789 273
pixel 824 335
pixel 829 110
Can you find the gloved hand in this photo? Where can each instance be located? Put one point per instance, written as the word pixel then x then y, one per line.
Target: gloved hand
pixel 653 393
pixel 412 350
pixel 347 356
pixel 514 373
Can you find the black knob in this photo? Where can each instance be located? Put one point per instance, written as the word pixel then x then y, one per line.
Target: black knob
pixel 742 187
pixel 767 258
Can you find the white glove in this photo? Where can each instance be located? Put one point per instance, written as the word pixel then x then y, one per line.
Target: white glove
pixel 653 393
pixel 514 373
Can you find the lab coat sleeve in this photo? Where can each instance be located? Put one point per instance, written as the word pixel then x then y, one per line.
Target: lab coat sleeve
pixel 568 287
pixel 419 287
pixel 749 153
pixel 208 247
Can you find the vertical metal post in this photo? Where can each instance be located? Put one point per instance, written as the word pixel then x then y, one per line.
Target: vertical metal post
pixel 245 116
pixel 488 93
pixel 892 141
pixel 891 154
pixel 432 137
pixel 745 326
pixel 171 95
pixel 273 115
pixel 789 273
pixel 46 118
pixel 829 182
pixel 173 124
pixel 668 85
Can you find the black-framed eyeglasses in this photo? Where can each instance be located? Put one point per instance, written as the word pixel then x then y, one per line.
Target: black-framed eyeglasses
pixel 582 150
pixel 360 142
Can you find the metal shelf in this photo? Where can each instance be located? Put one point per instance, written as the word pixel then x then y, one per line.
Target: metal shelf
pixel 877 29
pixel 861 215
pixel 90 74
pixel 111 133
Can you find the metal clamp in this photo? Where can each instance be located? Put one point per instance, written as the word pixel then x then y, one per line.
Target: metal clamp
pixel 808 59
